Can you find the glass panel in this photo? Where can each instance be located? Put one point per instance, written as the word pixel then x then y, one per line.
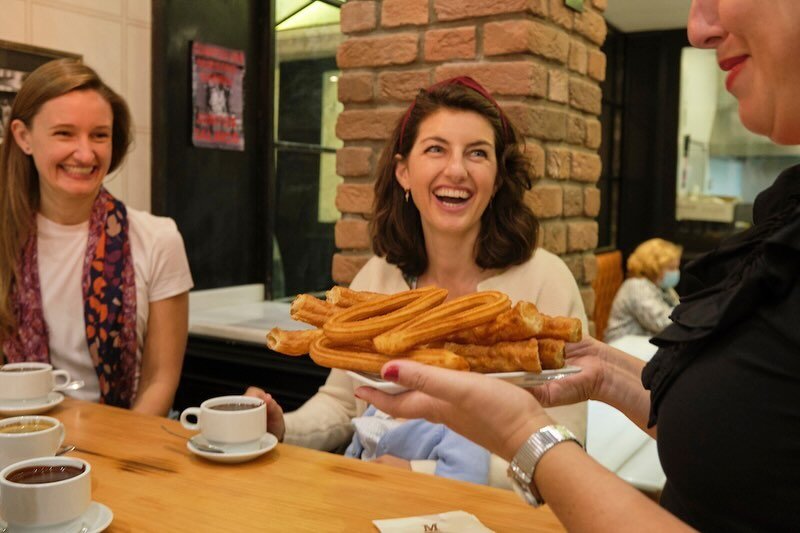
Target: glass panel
pixel 307 108
pixel 316 14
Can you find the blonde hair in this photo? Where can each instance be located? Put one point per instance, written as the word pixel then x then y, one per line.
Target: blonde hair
pixel 19 181
pixel 650 258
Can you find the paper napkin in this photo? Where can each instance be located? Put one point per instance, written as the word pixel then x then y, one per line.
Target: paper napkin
pixel 452 522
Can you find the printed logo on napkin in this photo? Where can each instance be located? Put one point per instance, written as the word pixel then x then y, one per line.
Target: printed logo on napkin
pixel 452 522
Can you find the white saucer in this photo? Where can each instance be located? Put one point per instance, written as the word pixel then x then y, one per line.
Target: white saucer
pixel 520 379
pixel 265 444
pixel 96 518
pixel 30 407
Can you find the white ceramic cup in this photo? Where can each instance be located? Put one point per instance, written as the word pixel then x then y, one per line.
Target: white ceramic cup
pixel 45 504
pixel 15 447
pixel 241 429
pixel 36 381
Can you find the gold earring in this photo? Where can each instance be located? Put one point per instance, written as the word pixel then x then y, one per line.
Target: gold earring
pixel 408 193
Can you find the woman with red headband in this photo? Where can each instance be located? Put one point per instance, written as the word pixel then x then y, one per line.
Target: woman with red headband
pixel 449 211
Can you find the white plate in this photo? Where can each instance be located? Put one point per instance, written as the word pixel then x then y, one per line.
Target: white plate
pixel 30 407
pixel 521 379
pixel 265 444
pixel 96 518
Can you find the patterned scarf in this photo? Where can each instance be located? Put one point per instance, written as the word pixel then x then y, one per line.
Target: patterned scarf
pixel 109 304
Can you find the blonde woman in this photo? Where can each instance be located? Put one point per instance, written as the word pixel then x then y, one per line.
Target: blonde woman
pixel 645 300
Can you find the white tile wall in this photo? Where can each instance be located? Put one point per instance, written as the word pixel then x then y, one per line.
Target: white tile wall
pixel 137 172
pixel 99 40
pixel 139 10
pixel 137 88
pixel 113 36
pixel 12 23
pixel 109 7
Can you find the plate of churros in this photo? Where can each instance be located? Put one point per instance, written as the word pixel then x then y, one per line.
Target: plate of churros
pixel 360 331
pixel 521 379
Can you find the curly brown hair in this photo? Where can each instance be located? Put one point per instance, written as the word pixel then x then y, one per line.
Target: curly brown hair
pixel 508 226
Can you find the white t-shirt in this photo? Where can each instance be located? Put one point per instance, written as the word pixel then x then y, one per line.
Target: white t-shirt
pixel 161 271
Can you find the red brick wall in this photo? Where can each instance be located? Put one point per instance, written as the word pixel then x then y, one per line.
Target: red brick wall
pixel 542 62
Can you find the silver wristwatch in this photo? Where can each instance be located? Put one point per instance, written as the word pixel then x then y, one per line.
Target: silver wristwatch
pixel 524 463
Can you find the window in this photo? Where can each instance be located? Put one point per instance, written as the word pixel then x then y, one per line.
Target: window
pixel 306 103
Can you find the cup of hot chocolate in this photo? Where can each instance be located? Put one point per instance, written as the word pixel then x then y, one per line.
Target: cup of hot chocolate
pixel 45 491
pixel 25 437
pixel 30 381
pixel 232 422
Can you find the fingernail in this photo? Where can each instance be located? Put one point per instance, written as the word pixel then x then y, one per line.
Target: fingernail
pixel 391 373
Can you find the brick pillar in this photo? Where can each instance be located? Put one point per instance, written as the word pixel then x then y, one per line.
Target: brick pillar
pixel 539 58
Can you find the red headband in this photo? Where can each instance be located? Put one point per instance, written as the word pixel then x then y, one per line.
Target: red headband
pixel 465 81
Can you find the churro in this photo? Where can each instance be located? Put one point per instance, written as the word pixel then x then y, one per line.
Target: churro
pixel 551 353
pixel 345 297
pixel 360 359
pixel 289 342
pixel 560 327
pixel 442 321
pixel 500 357
pixel 306 308
pixel 367 319
pixel 521 322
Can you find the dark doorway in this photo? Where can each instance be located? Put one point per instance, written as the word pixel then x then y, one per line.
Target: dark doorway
pixel 219 198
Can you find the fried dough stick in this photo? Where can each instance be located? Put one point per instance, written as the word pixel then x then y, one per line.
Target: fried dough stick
pixel 367 319
pixel 345 297
pixel 306 308
pixel 439 323
pixel 551 353
pixel 521 322
pixel 500 357
pixel 560 327
pixel 291 342
pixel 358 358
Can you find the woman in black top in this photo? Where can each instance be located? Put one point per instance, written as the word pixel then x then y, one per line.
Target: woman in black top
pixel 721 394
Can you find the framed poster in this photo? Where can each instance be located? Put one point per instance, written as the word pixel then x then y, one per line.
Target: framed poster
pixel 16 62
pixel 217 97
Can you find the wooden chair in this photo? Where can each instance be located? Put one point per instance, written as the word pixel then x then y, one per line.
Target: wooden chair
pixel 606 283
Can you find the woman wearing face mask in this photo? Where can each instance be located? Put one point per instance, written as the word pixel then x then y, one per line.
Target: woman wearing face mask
pixel 645 300
pixel 721 394
pixel 87 284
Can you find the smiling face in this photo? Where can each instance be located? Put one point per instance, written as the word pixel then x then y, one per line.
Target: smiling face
pixel 757 43
pixel 70 141
pixel 451 172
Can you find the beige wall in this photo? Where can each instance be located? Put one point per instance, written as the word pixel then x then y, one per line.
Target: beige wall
pixel 113 36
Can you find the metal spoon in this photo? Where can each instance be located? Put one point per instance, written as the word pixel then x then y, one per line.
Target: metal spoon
pixel 75 385
pixel 210 448
pixel 64 449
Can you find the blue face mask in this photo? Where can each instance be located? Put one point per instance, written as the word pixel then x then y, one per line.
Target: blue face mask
pixel 670 279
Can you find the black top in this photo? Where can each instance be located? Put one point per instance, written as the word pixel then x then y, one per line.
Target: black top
pixel 725 383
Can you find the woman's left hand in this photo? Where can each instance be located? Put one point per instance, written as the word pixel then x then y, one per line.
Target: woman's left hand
pixel 497 415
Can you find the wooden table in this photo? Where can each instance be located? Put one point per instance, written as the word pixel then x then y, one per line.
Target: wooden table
pixel 153 483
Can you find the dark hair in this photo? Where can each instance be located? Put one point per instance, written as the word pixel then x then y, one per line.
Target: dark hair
pixel 19 181
pixel 508 226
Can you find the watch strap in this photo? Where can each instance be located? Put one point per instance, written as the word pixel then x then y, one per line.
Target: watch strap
pixel 522 467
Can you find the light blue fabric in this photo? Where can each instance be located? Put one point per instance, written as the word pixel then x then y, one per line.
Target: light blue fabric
pixel 670 279
pixel 455 456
